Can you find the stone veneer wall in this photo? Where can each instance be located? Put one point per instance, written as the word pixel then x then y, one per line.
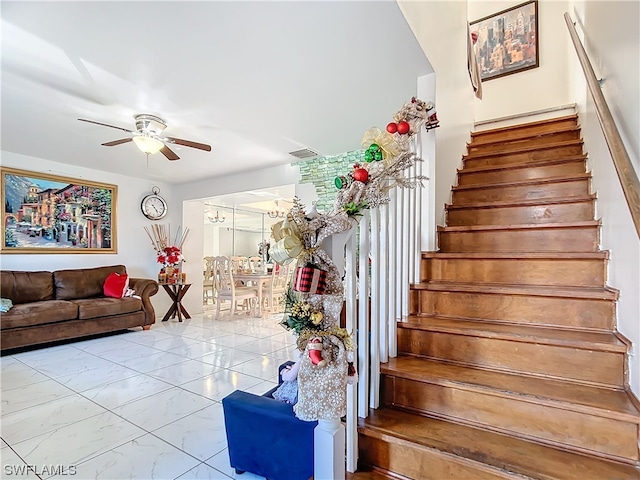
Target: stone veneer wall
pixel 321 172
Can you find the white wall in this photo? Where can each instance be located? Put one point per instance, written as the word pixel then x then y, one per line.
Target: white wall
pixel 134 247
pixel 440 27
pixel 535 89
pixel 612 41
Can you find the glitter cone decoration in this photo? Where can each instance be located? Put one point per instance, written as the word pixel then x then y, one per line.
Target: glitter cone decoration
pixel 314 303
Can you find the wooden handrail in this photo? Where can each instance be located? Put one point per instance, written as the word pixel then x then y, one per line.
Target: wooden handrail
pixel 626 173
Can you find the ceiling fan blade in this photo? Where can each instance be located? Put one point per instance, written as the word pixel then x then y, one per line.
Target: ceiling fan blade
pixel 170 154
pixel 106 125
pixel 116 142
pixel 189 143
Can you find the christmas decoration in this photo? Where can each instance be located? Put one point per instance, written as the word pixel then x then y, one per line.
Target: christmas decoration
pixel 403 127
pixel 313 305
pixel 315 352
pixel 360 174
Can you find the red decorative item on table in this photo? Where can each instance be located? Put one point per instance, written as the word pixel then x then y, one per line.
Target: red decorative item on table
pixel 310 280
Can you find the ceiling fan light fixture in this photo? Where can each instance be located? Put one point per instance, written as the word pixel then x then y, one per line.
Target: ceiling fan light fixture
pixel 148 145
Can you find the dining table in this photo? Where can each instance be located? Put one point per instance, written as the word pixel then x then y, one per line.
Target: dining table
pixel 260 280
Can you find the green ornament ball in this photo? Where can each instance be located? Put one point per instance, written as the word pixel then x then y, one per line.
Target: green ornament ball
pixel 368 156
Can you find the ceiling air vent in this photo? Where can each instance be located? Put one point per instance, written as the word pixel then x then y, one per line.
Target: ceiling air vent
pixel 304 153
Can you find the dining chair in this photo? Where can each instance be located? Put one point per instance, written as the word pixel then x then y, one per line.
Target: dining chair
pixel 227 290
pixel 208 292
pixel 255 264
pixel 239 264
pixel 276 288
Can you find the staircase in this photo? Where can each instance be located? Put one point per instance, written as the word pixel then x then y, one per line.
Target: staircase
pixel 510 365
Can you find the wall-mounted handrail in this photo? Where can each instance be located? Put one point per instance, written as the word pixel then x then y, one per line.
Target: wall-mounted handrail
pixel 626 173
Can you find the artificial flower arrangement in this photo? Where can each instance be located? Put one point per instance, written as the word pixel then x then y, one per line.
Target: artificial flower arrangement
pixel 314 303
pixel 169 255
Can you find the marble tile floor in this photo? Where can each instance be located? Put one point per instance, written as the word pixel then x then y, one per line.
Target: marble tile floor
pixel 135 405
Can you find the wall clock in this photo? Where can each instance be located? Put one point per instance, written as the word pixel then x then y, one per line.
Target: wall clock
pixel 153 206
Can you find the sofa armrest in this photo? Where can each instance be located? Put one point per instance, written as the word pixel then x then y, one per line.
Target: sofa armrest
pixel 266 438
pixel 145 288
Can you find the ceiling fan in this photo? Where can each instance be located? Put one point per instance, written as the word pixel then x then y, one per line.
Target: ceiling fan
pixel 147 136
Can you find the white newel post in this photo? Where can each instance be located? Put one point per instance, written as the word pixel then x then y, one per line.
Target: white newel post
pixel 329 436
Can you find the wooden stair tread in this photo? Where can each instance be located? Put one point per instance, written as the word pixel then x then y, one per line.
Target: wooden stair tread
pixel 522 149
pixel 590 340
pixel 523 183
pixel 478 141
pixel 507 453
pixel 606 293
pixel 599 401
pixel 368 474
pixel 523 203
pixel 478 133
pixel 522 255
pixel 524 226
pixel 517 166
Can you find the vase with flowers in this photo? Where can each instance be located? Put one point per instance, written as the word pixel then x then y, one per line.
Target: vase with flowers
pixel 168 254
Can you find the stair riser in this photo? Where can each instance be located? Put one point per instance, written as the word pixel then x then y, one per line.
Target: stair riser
pixel 413 461
pixel 511 414
pixel 590 366
pixel 505 135
pixel 517 309
pixel 570 189
pixel 517 174
pixel 507 144
pixel 518 215
pixel 524 157
pixel 531 271
pixel 575 239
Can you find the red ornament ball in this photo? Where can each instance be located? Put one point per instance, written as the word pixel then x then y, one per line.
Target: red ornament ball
pixel 360 175
pixel 403 127
pixel 392 127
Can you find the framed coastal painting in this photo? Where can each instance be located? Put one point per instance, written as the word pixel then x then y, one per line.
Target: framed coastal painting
pixel 45 213
pixel 507 41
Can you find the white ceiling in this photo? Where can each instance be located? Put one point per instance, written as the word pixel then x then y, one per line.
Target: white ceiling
pixel 255 80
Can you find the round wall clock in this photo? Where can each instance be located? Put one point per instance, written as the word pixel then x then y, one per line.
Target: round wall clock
pixel 153 206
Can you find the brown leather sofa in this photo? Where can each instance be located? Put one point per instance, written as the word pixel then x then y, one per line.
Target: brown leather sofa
pixel 51 306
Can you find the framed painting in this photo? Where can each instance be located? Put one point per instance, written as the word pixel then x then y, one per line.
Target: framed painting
pixel 507 41
pixel 51 214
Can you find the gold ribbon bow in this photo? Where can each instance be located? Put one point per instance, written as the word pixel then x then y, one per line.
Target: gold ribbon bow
pixel 288 243
pixel 384 140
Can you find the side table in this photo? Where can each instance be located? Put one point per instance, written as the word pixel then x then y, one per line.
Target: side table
pixel 176 291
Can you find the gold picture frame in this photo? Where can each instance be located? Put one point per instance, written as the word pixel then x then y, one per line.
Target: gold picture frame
pixel 507 41
pixel 45 213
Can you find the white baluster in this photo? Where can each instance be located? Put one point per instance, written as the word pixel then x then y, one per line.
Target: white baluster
pixel 383 286
pixel 363 318
pixel 352 327
pixel 374 391
pixel 393 284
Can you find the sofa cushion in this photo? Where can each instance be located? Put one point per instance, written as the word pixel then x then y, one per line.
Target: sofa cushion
pixel 26 287
pixel 84 282
pixel 106 306
pixel 38 313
